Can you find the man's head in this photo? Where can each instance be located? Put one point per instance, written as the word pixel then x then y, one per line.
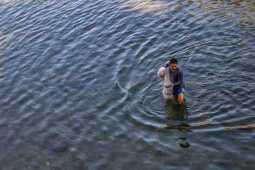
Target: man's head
pixel 173 64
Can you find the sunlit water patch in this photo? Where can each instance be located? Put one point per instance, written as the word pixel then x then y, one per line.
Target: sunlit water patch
pixel 6 1
pixel 146 6
pixel 239 11
pixel 79 85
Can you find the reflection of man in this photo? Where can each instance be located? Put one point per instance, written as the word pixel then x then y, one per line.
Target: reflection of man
pixel 176 77
pixel 176 111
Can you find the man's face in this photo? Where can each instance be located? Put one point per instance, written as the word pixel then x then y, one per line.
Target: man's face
pixel 173 66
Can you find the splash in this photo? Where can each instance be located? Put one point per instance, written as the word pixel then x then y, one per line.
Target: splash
pixel 146 6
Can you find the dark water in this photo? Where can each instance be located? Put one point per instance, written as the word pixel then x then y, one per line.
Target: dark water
pixel 79 90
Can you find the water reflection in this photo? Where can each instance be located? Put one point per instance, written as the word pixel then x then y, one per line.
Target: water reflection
pixel 244 127
pixel 6 1
pixel 176 111
pixel 237 3
pixel 146 5
pixel 241 11
pixel 50 104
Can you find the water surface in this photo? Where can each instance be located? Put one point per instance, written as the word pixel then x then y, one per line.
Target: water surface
pixel 79 89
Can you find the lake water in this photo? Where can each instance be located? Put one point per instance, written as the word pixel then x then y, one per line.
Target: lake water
pixel 79 87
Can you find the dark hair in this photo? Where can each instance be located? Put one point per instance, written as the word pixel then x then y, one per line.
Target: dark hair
pixel 173 61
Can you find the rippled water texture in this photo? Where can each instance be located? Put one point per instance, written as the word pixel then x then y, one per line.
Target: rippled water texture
pixel 79 86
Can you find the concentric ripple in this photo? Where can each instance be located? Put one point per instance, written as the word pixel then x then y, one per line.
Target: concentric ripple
pixel 79 86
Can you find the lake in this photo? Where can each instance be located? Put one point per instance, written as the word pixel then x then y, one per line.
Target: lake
pixel 79 87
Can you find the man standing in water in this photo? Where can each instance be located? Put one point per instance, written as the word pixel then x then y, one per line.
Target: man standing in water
pixel 176 77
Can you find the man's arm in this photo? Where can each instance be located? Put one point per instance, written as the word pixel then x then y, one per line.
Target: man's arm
pixel 167 64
